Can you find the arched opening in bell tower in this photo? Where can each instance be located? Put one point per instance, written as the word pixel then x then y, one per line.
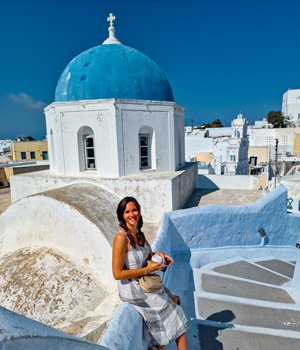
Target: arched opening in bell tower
pixel 86 149
pixel 147 148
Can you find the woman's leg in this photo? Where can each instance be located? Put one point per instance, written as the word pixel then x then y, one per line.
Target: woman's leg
pixel 181 342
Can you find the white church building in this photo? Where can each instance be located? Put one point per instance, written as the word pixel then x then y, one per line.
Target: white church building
pixel 115 123
pixel 237 150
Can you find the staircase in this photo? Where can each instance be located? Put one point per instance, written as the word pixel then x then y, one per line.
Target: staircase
pixel 246 304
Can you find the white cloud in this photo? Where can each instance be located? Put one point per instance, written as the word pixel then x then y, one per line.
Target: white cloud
pixel 27 101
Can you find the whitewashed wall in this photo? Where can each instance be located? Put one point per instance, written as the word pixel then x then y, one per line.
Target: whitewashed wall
pixel 156 192
pixel 229 182
pixel 291 104
pixel 259 137
pixel 40 221
pixel 116 125
pixel 197 144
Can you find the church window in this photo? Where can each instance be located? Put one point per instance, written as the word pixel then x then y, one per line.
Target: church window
pixel 145 160
pixel 147 148
pixel 232 158
pixel 32 155
pixel 23 155
pixel 89 152
pixel 86 149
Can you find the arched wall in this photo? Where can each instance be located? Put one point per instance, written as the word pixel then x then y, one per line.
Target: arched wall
pixel 70 226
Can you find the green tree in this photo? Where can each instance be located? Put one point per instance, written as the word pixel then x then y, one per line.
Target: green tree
pixel 216 124
pixel 278 120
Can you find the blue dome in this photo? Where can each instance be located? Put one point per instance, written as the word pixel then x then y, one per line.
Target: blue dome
pixel 112 71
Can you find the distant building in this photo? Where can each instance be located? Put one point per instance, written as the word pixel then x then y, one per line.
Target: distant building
pixel 262 124
pixel 29 150
pixel 219 150
pixel 291 105
pixel 237 150
pixel 5 146
pixel 9 169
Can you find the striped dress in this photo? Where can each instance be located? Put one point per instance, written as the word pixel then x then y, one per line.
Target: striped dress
pixel 165 319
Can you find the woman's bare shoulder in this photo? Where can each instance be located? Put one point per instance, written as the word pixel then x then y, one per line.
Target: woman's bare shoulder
pixel 121 237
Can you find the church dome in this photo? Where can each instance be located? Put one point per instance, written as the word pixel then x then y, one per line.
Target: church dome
pixel 112 70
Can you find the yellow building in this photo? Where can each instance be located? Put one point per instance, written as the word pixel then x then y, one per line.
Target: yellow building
pixel 260 152
pixel 29 150
pixel 3 178
pixel 297 145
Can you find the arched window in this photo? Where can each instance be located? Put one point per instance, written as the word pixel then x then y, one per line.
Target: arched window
pixel 237 134
pixel 147 149
pixel 86 149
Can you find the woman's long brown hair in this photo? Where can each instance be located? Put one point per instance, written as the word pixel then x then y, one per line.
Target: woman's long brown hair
pixel 120 213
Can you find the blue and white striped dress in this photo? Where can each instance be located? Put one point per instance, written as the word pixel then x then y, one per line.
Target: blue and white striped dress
pixel 165 319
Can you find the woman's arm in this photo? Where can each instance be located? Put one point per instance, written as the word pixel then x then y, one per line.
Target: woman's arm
pixel 118 261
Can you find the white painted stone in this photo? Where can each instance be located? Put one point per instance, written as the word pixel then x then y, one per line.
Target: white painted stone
pixel 48 286
pixel 40 221
pixel 157 192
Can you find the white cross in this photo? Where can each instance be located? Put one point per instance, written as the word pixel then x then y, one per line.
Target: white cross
pixel 111 18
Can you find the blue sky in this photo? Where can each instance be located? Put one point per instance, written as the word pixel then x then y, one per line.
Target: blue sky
pixel 220 56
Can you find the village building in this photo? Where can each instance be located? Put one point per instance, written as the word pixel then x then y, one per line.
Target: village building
pixel 291 105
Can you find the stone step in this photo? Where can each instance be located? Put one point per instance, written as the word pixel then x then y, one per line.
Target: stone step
pixel 279 266
pixel 247 314
pixel 232 339
pixel 243 289
pixel 247 270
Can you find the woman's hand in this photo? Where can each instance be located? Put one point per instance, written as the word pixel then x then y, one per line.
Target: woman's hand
pixel 176 299
pixel 153 266
pixel 167 260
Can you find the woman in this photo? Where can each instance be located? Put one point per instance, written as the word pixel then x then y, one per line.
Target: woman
pixel 131 260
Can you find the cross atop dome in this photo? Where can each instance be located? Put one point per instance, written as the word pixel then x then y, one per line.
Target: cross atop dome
pixel 111 30
pixel 111 18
